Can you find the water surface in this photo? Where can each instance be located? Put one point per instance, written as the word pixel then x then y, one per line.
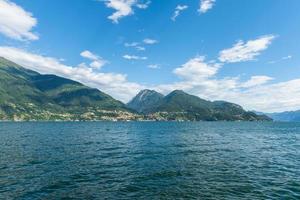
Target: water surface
pixel 150 160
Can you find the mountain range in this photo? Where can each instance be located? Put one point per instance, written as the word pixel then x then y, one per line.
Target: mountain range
pixel 179 105
pixel 288 116
pixel 29 95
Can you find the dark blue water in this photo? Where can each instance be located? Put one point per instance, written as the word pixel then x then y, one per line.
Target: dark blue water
pixel 146 160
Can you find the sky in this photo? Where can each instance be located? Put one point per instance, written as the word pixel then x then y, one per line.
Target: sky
pixel 246 52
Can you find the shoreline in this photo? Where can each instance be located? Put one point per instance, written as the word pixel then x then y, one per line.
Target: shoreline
pixel 21 121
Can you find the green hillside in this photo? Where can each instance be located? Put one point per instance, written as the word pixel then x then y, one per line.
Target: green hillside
pixel 179 105
pixel 25 94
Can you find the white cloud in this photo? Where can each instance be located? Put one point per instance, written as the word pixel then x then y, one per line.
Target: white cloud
pixel 150 41
pixel 123 8
pixel 83 65
pixel 178 10
pixel 206 5
pixel 287 57
pixel 199 78
pixel 282 96
pixel 134 57
pixel 281 59
pixel 97 61
pixel 114 84
pixel 197 69
pixel 136 45
pixel 89 55
pixel 15 22
pixel 97 64
pixel 143 5
pixel 245 51
pixel 256 80
pixel 153 66
pixel 140 48
pixel 133 44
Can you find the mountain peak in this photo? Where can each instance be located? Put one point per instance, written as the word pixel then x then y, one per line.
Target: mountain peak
pixel 177 92
pixel 145 101
pixel 143 94
pixel 147 92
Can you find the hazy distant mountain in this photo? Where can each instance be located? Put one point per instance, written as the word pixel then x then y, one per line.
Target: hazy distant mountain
pixel 25 94
pixel 145 101
pixel 179 105
pixel 291 116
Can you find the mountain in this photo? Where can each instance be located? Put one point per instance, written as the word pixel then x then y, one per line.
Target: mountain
pixel 179 105
pixel 179 101
pixel 289 116
pixel 145 101
pixel 28 95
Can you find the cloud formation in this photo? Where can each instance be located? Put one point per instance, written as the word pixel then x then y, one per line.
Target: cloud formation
pixel 139 47
pixel 143 5
pixel 134 57
pixel 178 10
pixel 245 51
pixel 123 8
pixel 135 45
pixel 16 23
pixel 198 77
pixel 197 69
pixel 153 66
pixel 97 61
pixel 281 59
pixel 150 41
pixel 206 5
pixel 256 80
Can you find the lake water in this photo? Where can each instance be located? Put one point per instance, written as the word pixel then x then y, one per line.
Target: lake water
pixel 150 160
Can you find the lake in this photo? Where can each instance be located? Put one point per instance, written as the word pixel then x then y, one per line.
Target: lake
pixel 149 160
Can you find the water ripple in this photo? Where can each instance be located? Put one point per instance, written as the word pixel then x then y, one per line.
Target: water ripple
pixel 106 160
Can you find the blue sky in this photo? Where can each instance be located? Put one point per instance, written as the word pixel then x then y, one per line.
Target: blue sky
pixel 240 51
